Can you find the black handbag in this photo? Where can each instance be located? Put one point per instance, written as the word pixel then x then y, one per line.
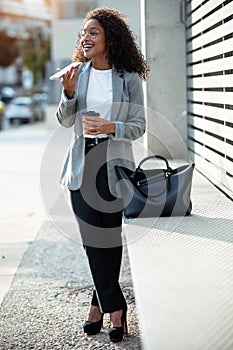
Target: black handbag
pixel 155 192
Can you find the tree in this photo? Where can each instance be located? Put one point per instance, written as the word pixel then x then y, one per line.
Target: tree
pixel 35 52
pixel 8 49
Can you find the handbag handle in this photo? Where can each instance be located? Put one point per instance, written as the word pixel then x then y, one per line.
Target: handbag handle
pixel 152 157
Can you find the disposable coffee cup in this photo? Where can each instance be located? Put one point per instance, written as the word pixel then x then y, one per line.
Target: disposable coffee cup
pixel 90 114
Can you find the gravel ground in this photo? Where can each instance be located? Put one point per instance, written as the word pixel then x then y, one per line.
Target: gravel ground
pixel 50 296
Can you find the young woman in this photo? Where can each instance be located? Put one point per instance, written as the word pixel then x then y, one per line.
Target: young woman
pixel 107 82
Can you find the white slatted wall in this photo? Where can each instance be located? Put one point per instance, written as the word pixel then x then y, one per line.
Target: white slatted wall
pixel 210 89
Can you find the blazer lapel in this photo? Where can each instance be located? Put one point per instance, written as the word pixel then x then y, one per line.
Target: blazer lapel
pixel 117 87
pixel 82 86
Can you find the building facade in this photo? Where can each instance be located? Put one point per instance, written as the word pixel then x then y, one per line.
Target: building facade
pixel 209 53
pixel 20 18
pixel 189 46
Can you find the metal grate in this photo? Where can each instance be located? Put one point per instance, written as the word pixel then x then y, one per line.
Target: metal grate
pixel 209 43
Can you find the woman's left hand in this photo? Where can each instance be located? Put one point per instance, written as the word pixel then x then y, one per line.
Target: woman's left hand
pixel 97 125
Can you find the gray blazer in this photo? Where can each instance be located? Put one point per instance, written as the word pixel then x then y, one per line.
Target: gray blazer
pixel 127 113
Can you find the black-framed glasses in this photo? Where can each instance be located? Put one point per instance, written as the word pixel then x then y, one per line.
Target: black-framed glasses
pixel 92 34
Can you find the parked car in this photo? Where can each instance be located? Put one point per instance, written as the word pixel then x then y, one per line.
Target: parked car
pixel 7 94
pixel 23 109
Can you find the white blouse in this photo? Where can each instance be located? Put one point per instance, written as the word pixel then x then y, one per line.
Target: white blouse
pixel 99 92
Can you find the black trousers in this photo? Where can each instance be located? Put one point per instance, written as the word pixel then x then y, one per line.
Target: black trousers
pixel 99 215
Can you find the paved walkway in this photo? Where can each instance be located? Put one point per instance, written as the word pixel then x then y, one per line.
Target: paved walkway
pixel 45 280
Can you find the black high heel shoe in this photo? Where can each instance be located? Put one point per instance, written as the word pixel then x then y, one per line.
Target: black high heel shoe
pixel 91 328
pixel 116 334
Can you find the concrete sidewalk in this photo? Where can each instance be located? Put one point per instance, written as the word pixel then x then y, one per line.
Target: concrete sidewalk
pixel 182 270
pixel 46 285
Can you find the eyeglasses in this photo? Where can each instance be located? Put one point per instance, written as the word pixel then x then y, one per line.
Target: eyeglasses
pixel 92 34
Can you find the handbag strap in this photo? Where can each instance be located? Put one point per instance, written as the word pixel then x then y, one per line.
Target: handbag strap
pixel 154 157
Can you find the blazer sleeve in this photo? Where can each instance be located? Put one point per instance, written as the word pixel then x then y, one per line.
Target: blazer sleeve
pixel 135 124
pixel 67 109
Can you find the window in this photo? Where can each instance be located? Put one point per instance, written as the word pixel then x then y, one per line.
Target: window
pixel 68 9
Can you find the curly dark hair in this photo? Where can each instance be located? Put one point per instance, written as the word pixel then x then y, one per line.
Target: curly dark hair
pixel 123 50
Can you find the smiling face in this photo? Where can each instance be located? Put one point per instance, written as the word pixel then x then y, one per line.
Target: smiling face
pixel 92 40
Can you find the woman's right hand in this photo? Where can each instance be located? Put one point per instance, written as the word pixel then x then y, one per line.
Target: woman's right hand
pixel 69 81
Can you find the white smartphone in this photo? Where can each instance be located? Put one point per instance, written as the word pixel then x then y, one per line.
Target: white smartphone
pixel 64 70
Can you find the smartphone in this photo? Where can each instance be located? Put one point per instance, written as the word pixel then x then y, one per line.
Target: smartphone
pixel 64 70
